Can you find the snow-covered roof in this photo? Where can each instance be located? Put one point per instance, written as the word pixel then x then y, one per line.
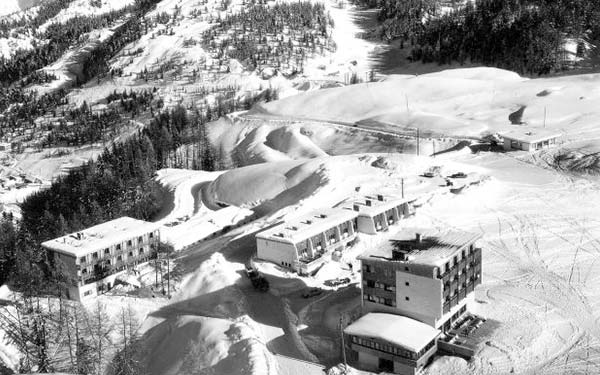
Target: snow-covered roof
pixel 395 329
pixel 100 236
pixel 294 231
pixel 530 135
pixel 378 204
pixel 435 249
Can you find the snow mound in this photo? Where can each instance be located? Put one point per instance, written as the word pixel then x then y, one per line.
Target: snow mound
pixel 265 143
pixel 285 181
pixel 206 329
pixel 448 366
pixel 479 73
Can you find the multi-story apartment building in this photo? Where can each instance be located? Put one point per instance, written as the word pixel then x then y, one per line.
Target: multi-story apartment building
pixel 423 278
pixel 376 214
pixel 93 258
pixel 302 244
pixel 427 275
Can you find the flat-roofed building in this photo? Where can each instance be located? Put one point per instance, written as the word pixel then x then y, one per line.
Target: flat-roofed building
pixel 302 244
pixel 390 343
pixel 93 258
pixel 377 213
pixel 425 274
pixel 529 139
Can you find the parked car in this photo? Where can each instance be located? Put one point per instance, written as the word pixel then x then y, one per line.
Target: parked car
pixel 458 175
pixel 429 174
pixel 312 292
pixel 338 281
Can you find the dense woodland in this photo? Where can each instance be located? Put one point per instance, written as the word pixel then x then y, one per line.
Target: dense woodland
pixel 521 35
pixel 284 34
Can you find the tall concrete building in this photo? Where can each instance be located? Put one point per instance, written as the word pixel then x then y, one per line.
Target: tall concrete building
pixel 93 258
pixel 424 274
pixel 414 290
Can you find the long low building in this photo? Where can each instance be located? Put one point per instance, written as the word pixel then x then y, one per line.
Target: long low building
pixel 529 139
pixel 302 244
pixel 390 343
pixel 378 213
pixel 93 258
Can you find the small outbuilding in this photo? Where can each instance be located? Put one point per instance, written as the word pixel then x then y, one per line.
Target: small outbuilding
pixel 529 139
pixel 390 343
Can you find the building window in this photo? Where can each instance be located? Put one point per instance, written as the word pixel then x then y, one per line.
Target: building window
pixel 119 247
pixel 84 271
pixel 95 255
pixel 406 269
pixel 455 260
pixel 370 284
pixel 390 288
pixel 151 235
pixel 407 283
pixel 140 239
pixel 82 259
pixel 106 251
pixel 407 298
pixel 141 250
pixel 131 253
pixel 368 268
pixel 119 257
pixel 87 292
pixel 129 243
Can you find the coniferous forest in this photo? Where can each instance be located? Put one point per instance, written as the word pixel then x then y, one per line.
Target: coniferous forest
pixel 525 36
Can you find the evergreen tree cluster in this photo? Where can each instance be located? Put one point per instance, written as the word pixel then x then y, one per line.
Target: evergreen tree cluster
pixel 255 36
pixel 525 36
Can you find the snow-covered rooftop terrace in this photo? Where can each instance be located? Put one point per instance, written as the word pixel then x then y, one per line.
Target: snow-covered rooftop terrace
pixel 435 248
pixel 100 236
pixel 309 225
pixel 395 329
pixel 374 205
pixel 530 135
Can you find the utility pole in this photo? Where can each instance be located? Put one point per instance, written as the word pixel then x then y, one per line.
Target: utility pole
pixel 168 277
pixel 343 344
pixel 402 184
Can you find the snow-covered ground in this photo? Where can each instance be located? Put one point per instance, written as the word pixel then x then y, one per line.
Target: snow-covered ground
pixel 301 153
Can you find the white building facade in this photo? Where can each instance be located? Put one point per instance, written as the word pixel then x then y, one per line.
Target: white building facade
pixel 92 259
pixel 378 213
pixel 304 244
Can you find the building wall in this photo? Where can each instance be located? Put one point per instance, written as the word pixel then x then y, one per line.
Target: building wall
pixel 419 297
pixel 368 361
pixel 289 255
pixel 366 225
pixel 99 264
pixel 99 268
pixel 281 253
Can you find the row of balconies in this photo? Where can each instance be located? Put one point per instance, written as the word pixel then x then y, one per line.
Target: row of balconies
pixel 472 260
pixel 117 249
pixel 462 294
